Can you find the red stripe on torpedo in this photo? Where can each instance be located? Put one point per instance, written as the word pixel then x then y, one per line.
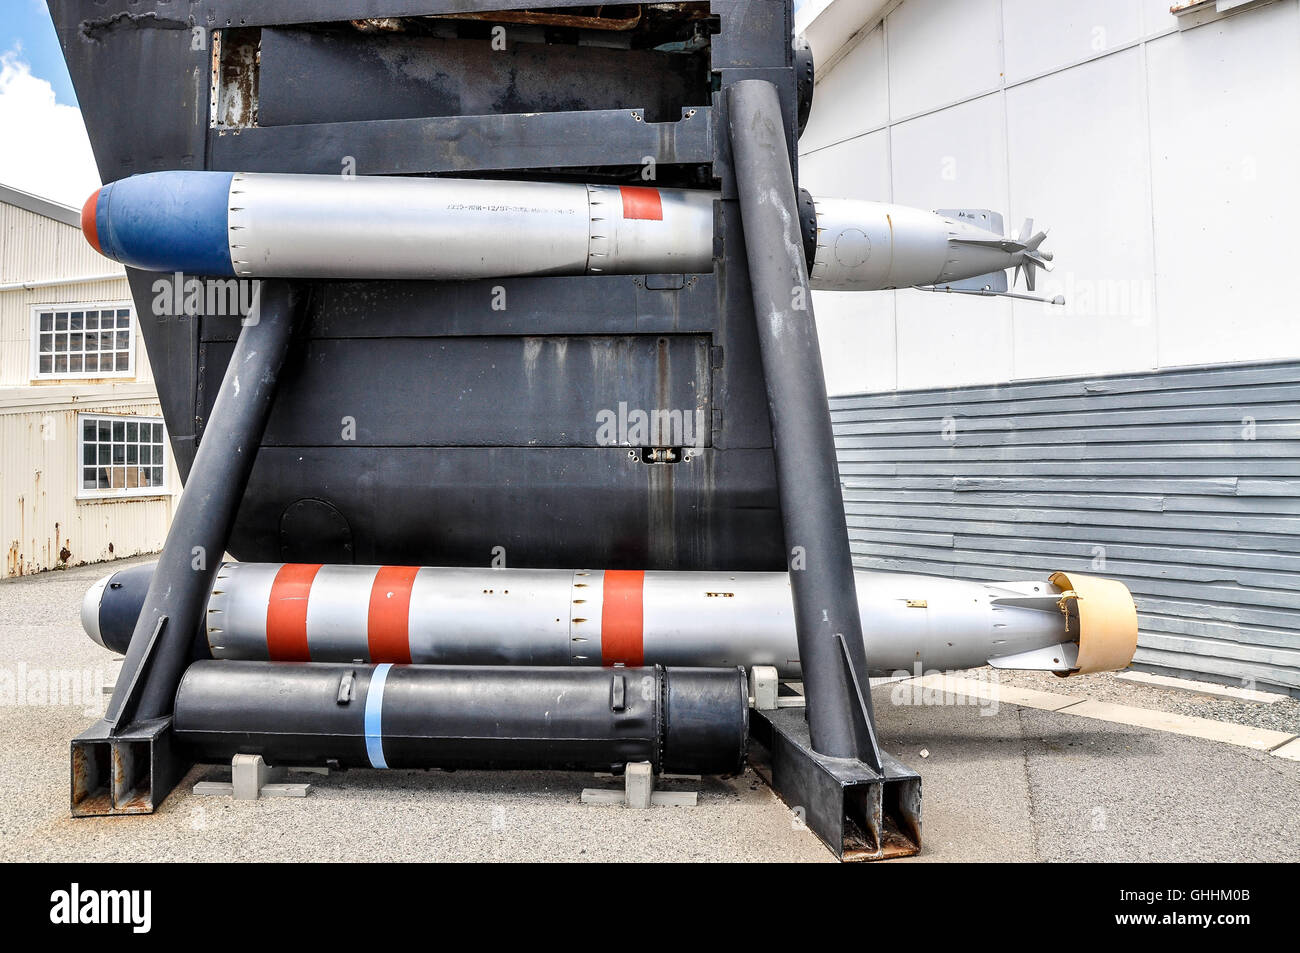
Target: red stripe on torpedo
pixel 388 624
pixel 622 619
pixel 642 203
pixel 286 613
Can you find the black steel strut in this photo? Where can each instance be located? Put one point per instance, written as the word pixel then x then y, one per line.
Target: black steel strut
pixel 807 474
pixel 830 770
pixel 124 763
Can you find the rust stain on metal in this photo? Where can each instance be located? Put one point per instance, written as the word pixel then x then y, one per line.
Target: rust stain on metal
pixel 89 796
pixel 237 59
pixel 380 25
pixel 894 843
pixel 127 797
pixel 620 17
pixel 119 769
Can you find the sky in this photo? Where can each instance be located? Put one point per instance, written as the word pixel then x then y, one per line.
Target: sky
pixel 46 151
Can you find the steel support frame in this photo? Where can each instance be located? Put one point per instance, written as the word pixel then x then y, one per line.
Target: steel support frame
pixel 749 46
pixel 126 763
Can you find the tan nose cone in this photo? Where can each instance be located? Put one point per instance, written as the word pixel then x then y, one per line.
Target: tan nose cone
pixel 1099 613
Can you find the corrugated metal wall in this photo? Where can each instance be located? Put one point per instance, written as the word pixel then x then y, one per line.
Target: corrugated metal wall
pixel 39 456
pixel 36 248
pixel 1183 484
pixel 39 471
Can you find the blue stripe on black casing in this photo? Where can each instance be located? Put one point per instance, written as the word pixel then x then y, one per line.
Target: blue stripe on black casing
pixel 374 718
pixel 168 221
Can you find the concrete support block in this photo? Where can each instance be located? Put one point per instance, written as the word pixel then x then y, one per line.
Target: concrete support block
pixel 638 784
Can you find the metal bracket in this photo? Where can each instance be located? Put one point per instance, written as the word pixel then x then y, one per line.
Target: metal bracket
pixel 1056 301
pixel 639 791
pixel 117 720
pixel 251 778
pixel 764 687
pixel 859 710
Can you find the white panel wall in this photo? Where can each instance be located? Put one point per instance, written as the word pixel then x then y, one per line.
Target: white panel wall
pixel 1078 31
pixel 1225 143
pixel 851 99
pixel 856 169
pixel 1078 147
pixel 928 67
pixel 956 157
pixel 1163 160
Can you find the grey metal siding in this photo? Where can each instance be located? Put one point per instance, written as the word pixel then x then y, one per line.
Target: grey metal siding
pixel 1183 484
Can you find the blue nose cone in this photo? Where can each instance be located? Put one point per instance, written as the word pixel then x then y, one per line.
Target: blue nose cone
pixel 164 221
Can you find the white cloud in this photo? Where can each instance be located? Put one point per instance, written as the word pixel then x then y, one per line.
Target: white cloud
pixel 46 150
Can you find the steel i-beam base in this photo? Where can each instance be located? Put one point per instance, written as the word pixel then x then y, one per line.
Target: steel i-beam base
pixel 858 813
pixel 130 772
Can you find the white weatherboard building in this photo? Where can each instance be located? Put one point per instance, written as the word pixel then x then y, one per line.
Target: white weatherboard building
pixel 1150 429
pixel 85 468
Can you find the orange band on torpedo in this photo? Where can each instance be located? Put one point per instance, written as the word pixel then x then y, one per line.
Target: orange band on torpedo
pixel 89 225
pixel 643 203
pixel 622 619
pixel 286 613
pixel 388 624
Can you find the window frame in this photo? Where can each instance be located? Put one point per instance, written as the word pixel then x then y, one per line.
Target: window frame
pixel 34 345
pixel 122 492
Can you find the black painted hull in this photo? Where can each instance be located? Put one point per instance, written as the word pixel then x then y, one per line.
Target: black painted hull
pixel 416 423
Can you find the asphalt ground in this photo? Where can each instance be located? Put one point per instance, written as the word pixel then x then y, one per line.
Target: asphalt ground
pixel 1000 782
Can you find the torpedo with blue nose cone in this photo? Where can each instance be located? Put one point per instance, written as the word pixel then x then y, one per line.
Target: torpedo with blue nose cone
pixel 269 225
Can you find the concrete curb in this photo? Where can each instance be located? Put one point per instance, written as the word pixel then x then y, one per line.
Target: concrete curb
pixel 1279 743
pixel 1193 687
pixel 1290 750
